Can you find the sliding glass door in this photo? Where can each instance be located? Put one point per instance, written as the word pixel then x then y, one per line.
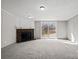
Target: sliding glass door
pixel 48 29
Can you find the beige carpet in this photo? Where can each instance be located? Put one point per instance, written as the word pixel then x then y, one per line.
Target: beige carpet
pixel 40 49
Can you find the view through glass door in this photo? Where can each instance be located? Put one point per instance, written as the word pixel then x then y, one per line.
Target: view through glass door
pixel 48 29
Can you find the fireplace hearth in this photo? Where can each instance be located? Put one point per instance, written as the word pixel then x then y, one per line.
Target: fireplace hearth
pixel 24 35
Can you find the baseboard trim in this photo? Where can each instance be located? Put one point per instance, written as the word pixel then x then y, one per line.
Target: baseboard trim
pixel 7 45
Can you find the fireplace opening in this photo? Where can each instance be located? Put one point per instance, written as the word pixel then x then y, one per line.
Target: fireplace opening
pixel 24 35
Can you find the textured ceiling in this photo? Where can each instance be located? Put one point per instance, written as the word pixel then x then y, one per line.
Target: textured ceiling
pixel 54 9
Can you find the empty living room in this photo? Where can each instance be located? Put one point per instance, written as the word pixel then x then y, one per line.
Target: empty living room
pixel 39 29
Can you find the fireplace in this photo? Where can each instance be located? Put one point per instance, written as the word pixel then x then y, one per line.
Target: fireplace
pixel 24 35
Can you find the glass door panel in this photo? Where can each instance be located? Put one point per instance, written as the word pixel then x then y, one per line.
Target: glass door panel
pixel 48 29
pixel 52 29
pixel 45 33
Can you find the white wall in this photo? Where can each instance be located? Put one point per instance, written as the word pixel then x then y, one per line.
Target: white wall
pixel 24 23
pixel 72 32
pixel 61 29
pixel 37 29
pixel 8 28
